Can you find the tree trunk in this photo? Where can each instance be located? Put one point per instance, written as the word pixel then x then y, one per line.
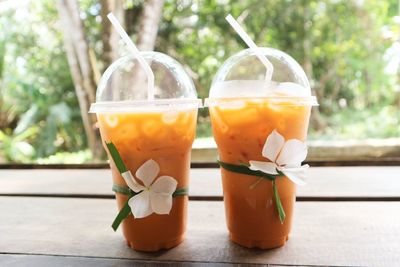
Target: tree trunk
pixel 81 48
pixel 149 25
pixel 82 70
pixel 111 40
pixel 109 36
pixel 146 39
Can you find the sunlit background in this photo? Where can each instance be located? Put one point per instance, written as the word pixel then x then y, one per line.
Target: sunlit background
pixel 349 49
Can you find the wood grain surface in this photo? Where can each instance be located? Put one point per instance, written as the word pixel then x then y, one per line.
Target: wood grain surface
pixel 54 260
pixel 323 182
pixel 324 234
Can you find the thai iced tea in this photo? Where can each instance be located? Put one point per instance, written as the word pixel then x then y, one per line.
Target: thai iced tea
pixel 166 137
pixel 240 128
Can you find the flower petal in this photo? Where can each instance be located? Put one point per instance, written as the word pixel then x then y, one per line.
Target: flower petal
pixel 161 203
pixel 296 175
pixel 293 153
pixel 148 172
pixel 140 204
pixel 130 181
pixel 273 146
pixel 267 167
pixel 164 184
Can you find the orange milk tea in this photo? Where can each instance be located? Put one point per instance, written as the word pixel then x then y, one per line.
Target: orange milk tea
pixel 166 137
pixel 240 128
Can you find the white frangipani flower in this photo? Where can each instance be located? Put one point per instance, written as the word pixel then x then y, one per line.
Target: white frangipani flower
pixel 285 157
pixel 154 197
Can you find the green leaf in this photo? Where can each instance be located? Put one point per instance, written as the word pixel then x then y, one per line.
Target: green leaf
pixel 61 112
pixel 123 213
pixel 116 157
pixel 243 169
pixel 2 57
pixel 28 133
pixel 27 119
pixel 278 203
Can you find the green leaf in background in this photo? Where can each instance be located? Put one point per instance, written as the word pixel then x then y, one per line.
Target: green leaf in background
pixel 27 119
pixel 61 112
pixel 47 137
pixel 16 148
pixel 116 157
pixel 2 55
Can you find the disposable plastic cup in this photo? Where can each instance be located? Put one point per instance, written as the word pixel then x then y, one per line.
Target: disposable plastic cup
pixel 162 130
pixel 245 109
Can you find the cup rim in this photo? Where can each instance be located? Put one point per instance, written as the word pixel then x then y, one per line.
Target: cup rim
pixel 278 100
pixel 145 105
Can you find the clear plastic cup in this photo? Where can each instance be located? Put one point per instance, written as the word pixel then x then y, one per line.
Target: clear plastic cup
pixel 245 109
pixel 161 130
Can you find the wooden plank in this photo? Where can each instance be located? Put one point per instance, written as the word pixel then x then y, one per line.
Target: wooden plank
pixel 68 182
pixel 323 182
pixel 325 233
pixel 33 260
pixel 50 261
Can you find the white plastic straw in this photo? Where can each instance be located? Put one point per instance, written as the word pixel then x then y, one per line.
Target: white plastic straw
pixel 136 52
pixel 246 38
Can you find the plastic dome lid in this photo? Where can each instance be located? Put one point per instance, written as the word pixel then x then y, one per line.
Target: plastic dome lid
pixel 123 86
pixel 243 76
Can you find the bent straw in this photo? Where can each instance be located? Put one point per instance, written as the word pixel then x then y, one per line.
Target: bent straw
pixel 246 38
pixel 136 52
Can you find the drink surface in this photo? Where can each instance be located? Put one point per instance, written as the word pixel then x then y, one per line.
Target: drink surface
pixel 240 129
pixel 165 137
pixel 146 133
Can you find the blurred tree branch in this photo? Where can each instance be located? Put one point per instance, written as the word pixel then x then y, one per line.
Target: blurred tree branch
pixel 6 115
pixel 146 37
pixel 109 37
pixel 149 24
pixel 81 67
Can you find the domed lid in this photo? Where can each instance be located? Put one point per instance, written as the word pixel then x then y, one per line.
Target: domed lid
pixel 123 86
pixel 244 76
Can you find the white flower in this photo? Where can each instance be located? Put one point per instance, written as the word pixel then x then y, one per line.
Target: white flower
pixel 154 197
pixel 285 157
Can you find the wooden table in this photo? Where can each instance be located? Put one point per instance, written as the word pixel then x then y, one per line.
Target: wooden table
pixel 345 216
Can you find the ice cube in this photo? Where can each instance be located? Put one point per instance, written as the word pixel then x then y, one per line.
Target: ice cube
pixel 241 117
pixel 152 128
pixel 111 120
pixel 237 104
pixel 170 117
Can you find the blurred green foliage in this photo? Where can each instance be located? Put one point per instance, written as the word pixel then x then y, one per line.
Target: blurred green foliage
pixel 349 50
pixel 36 86
pixel 340 44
